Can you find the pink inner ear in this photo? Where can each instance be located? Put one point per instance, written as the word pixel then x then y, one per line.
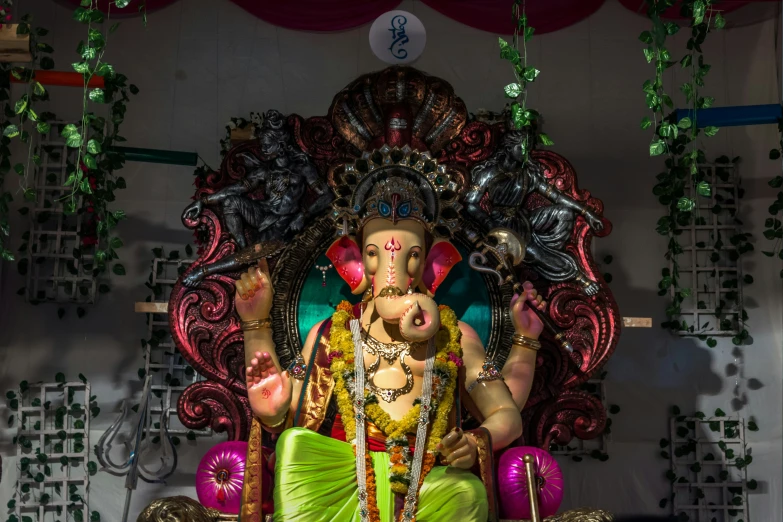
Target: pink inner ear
pixel 441 259
pixel 347 259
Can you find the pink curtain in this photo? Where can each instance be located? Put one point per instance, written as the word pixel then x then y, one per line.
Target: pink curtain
pixel 673 13
pixel 494 16
pixel 317 15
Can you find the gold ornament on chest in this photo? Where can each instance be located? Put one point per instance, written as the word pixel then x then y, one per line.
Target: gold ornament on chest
pixel 390 352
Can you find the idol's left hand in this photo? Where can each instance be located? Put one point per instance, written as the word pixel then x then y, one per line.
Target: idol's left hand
pixel 523 316
pixel 458 449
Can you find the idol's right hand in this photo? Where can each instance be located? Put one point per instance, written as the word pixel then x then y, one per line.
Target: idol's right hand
pixel 268 389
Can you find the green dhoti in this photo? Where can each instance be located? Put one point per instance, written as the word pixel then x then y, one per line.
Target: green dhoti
pixel 315 481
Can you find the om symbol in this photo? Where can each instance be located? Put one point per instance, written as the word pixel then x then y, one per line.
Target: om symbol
pixel 399 38
pixel 265 393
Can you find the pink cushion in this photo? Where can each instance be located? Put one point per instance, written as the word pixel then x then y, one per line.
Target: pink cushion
pixel 220 476
pixel 512 485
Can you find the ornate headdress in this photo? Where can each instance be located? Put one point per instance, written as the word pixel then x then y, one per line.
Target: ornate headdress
pixel 396 183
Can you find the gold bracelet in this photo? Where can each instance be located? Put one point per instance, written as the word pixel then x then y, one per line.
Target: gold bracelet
pixel 526 346
pixel 277 424
pixel 256 324
pixel 525 339
pixel 584 211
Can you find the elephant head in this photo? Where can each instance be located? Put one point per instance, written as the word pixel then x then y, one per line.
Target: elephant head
pixel 399 265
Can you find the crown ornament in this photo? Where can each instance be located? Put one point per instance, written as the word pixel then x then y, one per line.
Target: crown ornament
pixel 396 183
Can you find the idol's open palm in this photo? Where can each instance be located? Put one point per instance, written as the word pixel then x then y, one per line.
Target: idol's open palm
pixel 268 389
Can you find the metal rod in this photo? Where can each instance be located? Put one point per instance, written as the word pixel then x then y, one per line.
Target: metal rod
pixel 532 487
pixel 734 116
pixel 168 157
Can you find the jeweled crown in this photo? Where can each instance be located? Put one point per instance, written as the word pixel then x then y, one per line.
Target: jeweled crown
pixel 396 183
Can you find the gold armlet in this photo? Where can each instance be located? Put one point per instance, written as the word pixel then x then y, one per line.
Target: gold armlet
pixel 584 210
pixel 256 324
pixel 526 342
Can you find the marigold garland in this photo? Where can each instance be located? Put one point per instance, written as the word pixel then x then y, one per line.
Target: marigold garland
pixel 447 357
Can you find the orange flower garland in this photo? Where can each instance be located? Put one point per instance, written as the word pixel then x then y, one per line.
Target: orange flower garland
pixel 447 358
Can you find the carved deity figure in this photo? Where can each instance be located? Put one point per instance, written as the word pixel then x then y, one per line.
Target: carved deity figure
pixel 506 180
pixel 283 175
pixel 397 364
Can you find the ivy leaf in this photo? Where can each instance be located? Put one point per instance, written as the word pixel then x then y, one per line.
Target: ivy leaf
pixel 59 378
pixel 121 3
pixel 776 182
pixel 646 37
pixel 20 105
pixel 657 147
pixel 646 123
pixel 115 242
pixel 774 154
pixel 97 95
pixel 81 67
pixel 752 484
pixel 719 22
pixel 512 90
pixel 545 139
pixel 649 54
pixel 47 63
pixel 43 127
pixel 530 74
pixel 90 162
pixel 133 89
pixel 684 123
pixel 118 269
pixel 11 131
pixel 698 12
pixel 105 69
pixel 704 189
pixel 711 130
pixel 720 413
pixel 93 147
pixel 752 426
pixel 96 39
pixel 686 61
pixel 712 343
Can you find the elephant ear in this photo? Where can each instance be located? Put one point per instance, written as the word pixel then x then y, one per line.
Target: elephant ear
pixel 440 260
pixel 346 257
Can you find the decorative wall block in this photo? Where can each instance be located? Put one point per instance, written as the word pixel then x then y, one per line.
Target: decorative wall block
pixel 171 374
pixel 710 262
pixel 53 450
pixel 709 461
pixel 59 247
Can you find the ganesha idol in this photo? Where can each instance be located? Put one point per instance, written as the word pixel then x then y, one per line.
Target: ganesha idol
pixel 367 395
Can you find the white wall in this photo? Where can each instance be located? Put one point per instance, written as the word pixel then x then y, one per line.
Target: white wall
pixel 200 62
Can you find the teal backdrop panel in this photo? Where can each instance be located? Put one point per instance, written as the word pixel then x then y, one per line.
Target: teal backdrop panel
pixel 463 290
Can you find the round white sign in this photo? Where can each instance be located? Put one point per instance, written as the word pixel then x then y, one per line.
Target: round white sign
pixel 397 37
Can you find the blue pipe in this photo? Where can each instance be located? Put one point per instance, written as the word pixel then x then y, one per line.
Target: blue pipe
pixel 734 116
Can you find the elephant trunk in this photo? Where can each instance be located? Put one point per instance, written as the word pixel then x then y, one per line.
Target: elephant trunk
pixel 416 314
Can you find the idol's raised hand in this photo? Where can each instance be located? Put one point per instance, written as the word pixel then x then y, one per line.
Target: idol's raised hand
pixel 253 299
pixel 523 315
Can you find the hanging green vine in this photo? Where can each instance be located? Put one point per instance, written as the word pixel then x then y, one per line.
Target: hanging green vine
pixel 21 120
pixel 683 188
pixel 773 228
pixel 521 116
pixel 92 175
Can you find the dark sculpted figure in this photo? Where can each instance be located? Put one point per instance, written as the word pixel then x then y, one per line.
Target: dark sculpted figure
pixel 547 229
pixel 284 174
